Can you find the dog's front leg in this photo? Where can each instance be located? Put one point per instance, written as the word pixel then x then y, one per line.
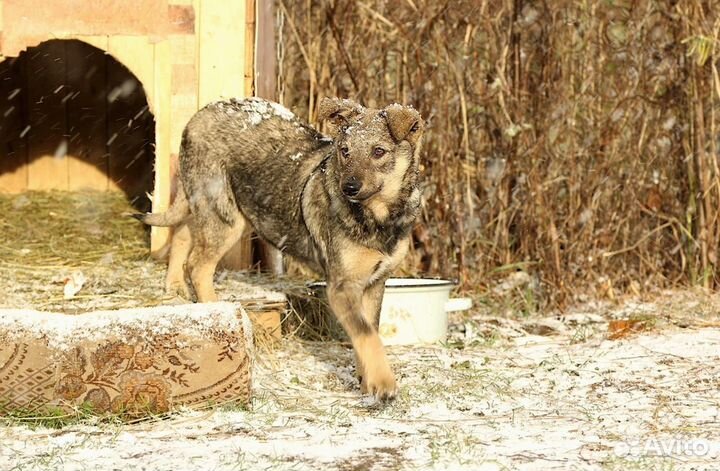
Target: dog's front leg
pixel 346 301
pixel 372 301
pixel 371 304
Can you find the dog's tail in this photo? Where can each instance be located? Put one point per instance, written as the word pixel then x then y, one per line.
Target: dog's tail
pixel 176 213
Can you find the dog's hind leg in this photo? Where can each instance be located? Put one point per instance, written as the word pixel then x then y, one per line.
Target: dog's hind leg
pixel 211 240
pixel 346 301
pixel 179 249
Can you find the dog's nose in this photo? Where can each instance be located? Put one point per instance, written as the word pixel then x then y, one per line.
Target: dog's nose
pixel 351 187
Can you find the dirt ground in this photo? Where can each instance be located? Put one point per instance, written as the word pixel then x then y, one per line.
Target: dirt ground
pixel 503 393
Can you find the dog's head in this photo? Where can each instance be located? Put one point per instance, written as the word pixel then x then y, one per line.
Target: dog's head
pixel 375 150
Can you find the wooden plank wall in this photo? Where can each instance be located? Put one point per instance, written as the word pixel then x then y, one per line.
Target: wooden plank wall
pixel 221 52
pixel 63 132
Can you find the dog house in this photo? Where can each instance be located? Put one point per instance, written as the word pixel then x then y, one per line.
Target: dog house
pixel 95 94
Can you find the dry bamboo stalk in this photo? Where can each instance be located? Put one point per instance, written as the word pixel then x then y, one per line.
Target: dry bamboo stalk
pixel 610 113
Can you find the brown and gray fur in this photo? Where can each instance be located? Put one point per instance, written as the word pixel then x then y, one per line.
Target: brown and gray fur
pixel 253 161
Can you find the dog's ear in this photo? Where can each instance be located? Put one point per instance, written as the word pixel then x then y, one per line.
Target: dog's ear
pixel 337 111
pixel 405 123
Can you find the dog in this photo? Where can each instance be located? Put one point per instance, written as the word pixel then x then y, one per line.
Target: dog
pixel 343 205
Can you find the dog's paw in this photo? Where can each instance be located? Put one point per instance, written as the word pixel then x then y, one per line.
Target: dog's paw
pixel 380 384
pixel 359 370
pixel 179 289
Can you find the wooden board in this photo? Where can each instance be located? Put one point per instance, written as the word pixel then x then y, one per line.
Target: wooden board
pixel 47 142
pixel 35 20
pixel 265 86
pixel 13 112
pixel 162 66
pixel 131 92
pixel 221 28
pixel 85 98
pixel 265 67
pixel 130 134
pixel 221 38
pixel 267 328
pixel 184 85
pixel 136 53
pixel 250 47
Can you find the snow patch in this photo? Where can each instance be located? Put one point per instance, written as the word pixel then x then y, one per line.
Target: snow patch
pixel 256 110
pixel 530 402
pixel 63 331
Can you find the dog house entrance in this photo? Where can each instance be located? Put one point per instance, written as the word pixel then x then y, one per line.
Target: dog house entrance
pixel 74 118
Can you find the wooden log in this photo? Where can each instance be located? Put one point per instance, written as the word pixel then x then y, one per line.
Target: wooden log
pixel 131 362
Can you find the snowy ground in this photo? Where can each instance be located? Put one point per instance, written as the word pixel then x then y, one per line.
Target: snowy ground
pixel 538 393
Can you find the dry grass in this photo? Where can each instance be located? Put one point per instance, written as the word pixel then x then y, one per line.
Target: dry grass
pixel 69 229
pixel 577 141
pixel 49 236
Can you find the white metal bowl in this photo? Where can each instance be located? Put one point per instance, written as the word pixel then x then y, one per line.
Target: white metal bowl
pixel 415 310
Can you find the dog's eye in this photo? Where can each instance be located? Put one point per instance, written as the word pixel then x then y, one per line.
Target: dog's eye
pixel 345 151
pixel 378 152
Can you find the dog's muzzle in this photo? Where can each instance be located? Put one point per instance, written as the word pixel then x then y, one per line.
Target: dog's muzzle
pixel 351 187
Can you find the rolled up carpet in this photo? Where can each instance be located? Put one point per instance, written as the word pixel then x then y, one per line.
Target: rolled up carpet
pixel 134 362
